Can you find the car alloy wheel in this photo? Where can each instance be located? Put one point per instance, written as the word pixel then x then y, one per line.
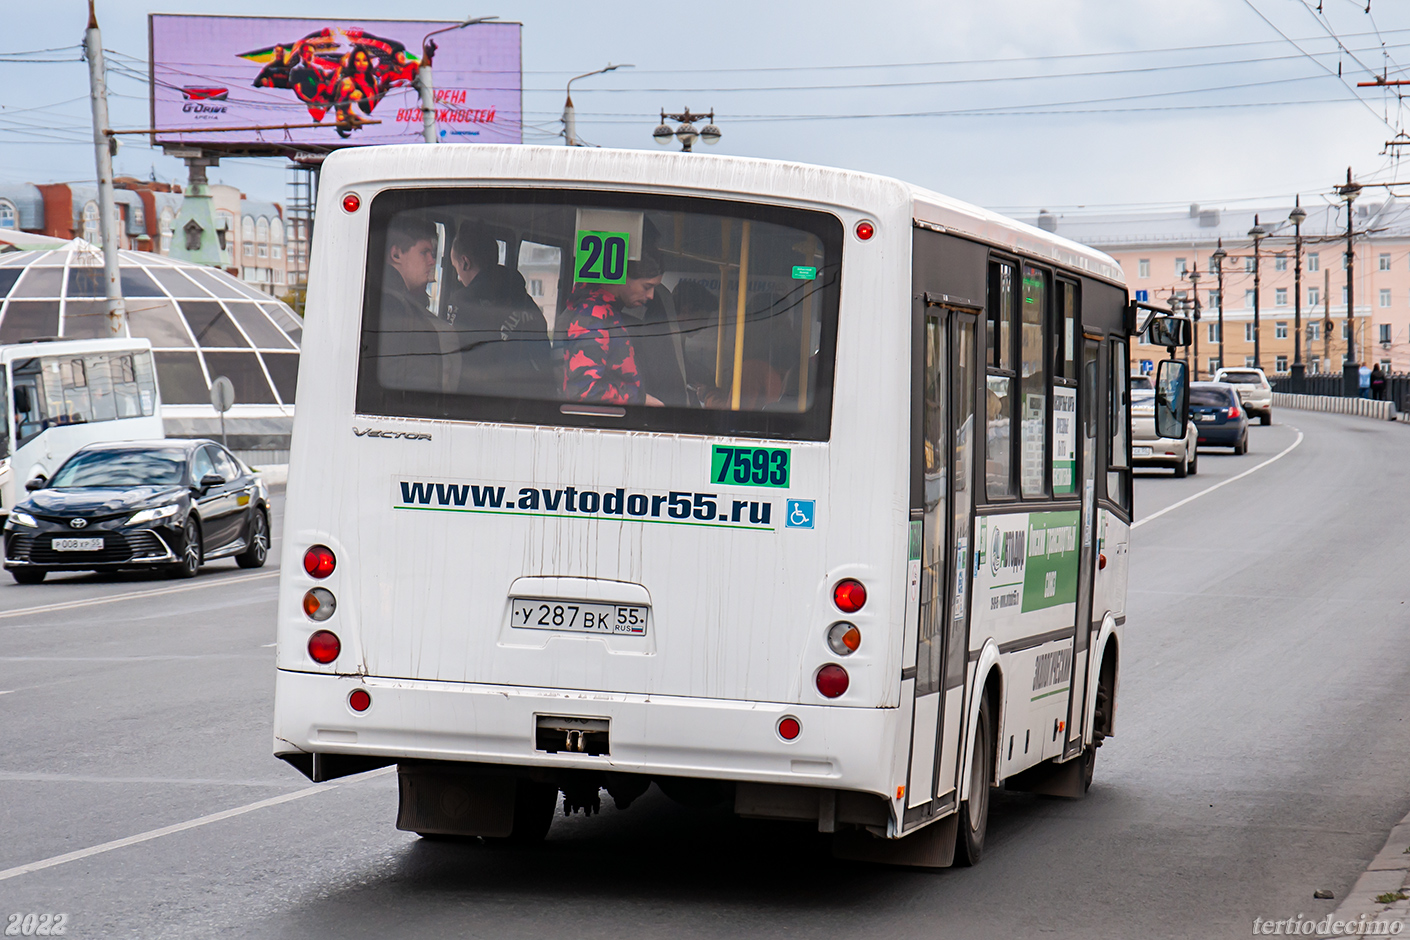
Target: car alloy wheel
pixel 190 550
pixel 258 550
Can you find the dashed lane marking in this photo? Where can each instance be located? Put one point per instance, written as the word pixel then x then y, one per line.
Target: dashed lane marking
pixel 1206 492
pixel 132 595
pixel 182 826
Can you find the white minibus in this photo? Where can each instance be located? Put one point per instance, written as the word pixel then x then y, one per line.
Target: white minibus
pixel 789 488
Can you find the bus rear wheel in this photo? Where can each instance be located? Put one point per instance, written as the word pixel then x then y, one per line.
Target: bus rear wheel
pixel 974 814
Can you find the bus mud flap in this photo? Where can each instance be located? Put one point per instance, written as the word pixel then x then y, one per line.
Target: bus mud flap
pixel 455 804
pixel 1049 779
pixel 931 847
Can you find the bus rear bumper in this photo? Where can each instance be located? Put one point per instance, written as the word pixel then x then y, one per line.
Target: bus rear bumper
pixel 837 747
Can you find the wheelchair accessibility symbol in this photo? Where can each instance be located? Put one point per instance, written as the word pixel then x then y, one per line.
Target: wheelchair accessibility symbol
pixel 800 514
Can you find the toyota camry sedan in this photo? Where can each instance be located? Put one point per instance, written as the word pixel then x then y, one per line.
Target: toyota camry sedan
pixel 170 504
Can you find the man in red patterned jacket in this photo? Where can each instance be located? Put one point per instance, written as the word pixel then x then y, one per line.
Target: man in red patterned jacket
pixel 599 357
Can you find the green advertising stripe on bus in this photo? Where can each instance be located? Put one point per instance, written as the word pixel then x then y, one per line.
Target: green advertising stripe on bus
pixel 750 466
pixel 1050 576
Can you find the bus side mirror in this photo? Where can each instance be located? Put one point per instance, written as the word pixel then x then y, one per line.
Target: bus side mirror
pixel 22 402
pixel 1172 399
pixel 35 483
pixel 1169 332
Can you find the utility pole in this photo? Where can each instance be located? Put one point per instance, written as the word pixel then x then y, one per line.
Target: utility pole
pixel 103 147
pixel 1298 216
pixel 1194 277
pixel 1350 371
pixel 1256 233
pixel 1218 258
pixel 1327 316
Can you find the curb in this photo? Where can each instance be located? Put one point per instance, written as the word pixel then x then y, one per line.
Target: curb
pixel 1388 872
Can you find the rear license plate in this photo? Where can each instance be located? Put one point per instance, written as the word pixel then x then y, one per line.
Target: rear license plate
pixel 535 613
pixel 1204 417
pixel 1140 452
pixel 78 545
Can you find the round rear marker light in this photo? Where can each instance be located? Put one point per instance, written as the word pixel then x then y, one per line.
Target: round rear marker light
pixel 843 638
pixel 319 604
pixel 359 700
pixel 865 230
pixel 832 680
pixel 789 728
pixel 849 595
pixel 351 202
pixel 324 647
pixel 319 561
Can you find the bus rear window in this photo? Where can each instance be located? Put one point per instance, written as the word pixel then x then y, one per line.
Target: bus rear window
pixel 604 310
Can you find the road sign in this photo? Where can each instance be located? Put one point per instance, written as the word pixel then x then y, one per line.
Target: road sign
pixel 222 394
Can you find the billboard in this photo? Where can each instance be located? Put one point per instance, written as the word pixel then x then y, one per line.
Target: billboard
pixel 353 79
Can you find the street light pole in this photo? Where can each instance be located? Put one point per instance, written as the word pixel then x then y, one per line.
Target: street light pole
pixel 1298 216
pixel 1350 372
pixel 425 85
pixel 1218 258
pixel 1257 233
pixel 570 115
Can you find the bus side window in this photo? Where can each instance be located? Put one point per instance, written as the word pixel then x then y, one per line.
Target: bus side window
pixel 145 377
pixel 100 388
pixel 29 401
pixel 1063 443
pixel 999 383
pixel 1033 388
pixel 1118 475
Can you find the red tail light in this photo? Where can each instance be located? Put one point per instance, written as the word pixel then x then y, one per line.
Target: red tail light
pixel 849 595
pixel 319 561
pixel 324 647
pixel 832 680
pixel 360 700
pixel 1234 411
pixel 789 728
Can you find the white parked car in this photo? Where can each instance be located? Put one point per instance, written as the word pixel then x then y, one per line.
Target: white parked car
pixel 1255 392
pixel 1148 450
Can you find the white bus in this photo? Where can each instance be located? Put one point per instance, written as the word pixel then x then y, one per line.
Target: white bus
pixel 60 395
pixel 798 489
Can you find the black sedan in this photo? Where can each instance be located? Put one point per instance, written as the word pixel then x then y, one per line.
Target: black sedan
pixel 171 504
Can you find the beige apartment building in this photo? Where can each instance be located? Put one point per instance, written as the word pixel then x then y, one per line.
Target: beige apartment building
pixel 1161 253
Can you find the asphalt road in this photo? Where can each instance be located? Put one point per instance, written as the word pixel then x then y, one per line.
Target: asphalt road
pixel 1262 752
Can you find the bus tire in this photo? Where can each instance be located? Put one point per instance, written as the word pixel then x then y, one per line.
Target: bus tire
pixel 1089 766
pixel 974 813
pixel 535 805
pixel 28 575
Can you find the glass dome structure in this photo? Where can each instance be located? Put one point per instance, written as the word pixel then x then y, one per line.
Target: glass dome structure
pixel 201 321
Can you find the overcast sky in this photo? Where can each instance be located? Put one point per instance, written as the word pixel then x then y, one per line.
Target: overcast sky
pixel 1014 104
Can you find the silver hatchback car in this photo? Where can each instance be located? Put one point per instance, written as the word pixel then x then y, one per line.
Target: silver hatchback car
pixel 1255 393
pixel 1148 450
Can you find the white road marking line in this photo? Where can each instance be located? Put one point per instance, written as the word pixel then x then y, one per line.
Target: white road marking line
pixel 132 595
pixel 1206 492
pixel 265 646
pixel 181 827
pixel 8 692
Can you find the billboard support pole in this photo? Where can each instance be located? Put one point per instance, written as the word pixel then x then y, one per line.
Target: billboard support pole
pixel 103 147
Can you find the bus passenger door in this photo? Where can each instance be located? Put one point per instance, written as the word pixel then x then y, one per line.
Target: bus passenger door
pixel 1089 400
pixel 942 636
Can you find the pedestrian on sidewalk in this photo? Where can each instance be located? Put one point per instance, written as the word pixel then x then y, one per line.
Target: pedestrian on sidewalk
pixel 1364 374
pixel 1378 383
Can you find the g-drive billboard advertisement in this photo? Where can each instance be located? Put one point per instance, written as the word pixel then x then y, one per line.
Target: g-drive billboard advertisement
pixel 210 72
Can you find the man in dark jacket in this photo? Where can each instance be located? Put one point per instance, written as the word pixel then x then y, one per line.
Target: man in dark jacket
pixel 415 348
pixel 503 334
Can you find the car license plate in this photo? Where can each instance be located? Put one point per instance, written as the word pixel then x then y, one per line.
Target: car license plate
pixel 536 613
pixel 78 545
pixel 1140 452
pixel 1204 417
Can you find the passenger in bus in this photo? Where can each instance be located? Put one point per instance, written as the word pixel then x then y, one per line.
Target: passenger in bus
pixel 492 306
pixel 416 348
pixel 654 330
pixel 598 354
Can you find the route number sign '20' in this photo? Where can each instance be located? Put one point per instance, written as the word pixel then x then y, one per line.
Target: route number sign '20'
pixel 601 257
